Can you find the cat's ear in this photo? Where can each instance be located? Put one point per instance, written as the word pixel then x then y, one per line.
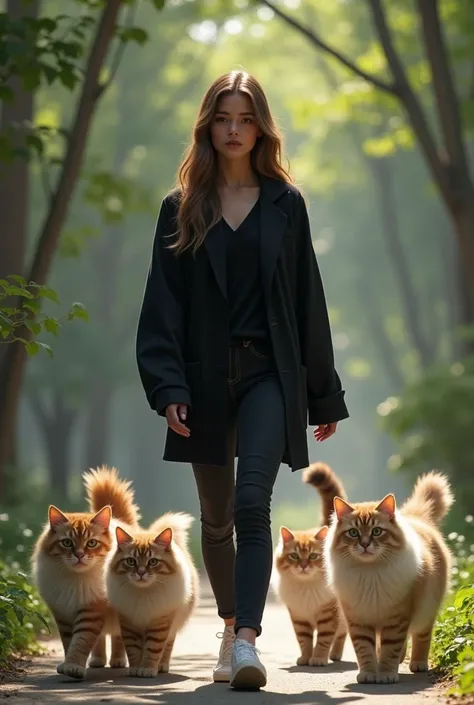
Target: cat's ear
pixel 164 539
pixel 286 535
pixel 103 517
pixel 322 533
pixel 388 506
pixel 56 517
pixel 122 537
pixel 342 508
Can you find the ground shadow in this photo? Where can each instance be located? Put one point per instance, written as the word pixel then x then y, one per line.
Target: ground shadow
pixel 333 667
pixel 409 684
pixel 216 694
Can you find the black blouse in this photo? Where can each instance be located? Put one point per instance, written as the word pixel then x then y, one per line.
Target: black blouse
pixel 247 313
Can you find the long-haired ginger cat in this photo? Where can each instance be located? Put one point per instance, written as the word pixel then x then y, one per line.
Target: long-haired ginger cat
pixel 68 566
pixel 300 580
pixel 390 569
pixel 153 585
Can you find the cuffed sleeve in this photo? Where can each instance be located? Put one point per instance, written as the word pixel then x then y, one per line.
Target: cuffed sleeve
pixel 160 335
pixel 325 394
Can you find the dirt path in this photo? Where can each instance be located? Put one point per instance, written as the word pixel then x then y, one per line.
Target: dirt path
pixel 190 681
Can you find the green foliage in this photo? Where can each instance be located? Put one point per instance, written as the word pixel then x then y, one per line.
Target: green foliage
pixel 27 313
pixel 23 617
pixel 453 640
pixel 432 421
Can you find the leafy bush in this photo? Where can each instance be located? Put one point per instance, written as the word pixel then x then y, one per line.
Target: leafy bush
pixel 453 642
pixel 432 421
pixel 22 615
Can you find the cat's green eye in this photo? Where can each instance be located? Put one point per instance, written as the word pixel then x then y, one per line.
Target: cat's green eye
pixel 376 531
pixel 294 556
pixel 313 556
pixel 92 543
pixel 131 562
pixel 67 543
pixel 354 533
pixel 153 562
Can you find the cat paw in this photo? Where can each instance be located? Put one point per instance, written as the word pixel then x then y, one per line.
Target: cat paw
pixel 418 666
pixel 366 677
pixel 97 662
pixel 318 661
pixel 60 668
pixel 147 672
pixel 73 670
pixel 388 677
pixel 302 661
pixel 118 663
pixel 164 668
pixel 336 657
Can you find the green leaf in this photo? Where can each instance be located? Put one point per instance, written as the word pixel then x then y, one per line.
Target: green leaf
pixel 16 278
pixel 159 4
pixel 134 34
pixel 78 310
pixel 42 619
pixel 47 348
pixel 32 348
pixel 51 325
pixel 33 326
pixel 34 306
pixel 48 293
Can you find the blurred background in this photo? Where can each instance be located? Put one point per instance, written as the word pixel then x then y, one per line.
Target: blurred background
pixel 382 152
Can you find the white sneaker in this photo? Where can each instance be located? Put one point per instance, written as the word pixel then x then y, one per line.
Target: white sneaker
pixel 248 672
pixel 223 669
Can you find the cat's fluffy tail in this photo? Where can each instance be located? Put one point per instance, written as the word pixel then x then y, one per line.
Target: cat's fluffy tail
pixel 103 486
pixel 431 498
pixel 325 481
pixel 178 522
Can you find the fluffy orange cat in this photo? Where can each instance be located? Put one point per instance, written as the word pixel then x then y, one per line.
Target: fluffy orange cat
pixel 300 580
pixel 68 566
pixel 389 569
pixel 153 585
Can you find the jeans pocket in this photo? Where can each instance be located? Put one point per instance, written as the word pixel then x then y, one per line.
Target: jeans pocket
pixel 258 353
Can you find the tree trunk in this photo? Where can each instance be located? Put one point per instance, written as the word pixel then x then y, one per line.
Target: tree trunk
pixel 98 425
pixel 14 365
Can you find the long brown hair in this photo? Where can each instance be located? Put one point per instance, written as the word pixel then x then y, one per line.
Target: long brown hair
pixel 200 206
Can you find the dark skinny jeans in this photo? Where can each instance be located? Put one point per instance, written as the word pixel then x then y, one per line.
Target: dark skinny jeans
pixel 256 416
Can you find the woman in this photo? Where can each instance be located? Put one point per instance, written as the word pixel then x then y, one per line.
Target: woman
pixel 234 347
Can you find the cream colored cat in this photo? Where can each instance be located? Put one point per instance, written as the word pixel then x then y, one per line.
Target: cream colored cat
pixel 300 582
pixel 68 566
pixel 389 569
pixel 153 585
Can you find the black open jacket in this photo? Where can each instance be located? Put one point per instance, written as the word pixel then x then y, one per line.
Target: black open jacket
pixel 183 330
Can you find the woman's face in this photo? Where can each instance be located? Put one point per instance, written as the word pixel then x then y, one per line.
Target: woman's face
pixel 234 129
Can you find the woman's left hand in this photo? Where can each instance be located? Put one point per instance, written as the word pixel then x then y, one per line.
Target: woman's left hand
pixel 325 431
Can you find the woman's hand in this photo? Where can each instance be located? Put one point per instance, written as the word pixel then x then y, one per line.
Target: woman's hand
pixel 175 415
pixel 325 431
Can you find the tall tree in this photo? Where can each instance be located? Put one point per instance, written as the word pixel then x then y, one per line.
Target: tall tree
pixel 446 157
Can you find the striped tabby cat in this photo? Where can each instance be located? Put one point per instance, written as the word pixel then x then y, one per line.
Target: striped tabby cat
pixel 68 566
pixel 389 569
pixel 300 581
pixel 153 585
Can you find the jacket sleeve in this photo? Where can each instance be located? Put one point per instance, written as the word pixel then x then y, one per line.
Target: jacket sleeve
pixel 161 326
pixel 325 394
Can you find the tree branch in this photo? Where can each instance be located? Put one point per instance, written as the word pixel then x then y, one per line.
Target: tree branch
pixel 320 44
pixel 132 10
pixel 57 212
pixel 443 86
pixel 412 105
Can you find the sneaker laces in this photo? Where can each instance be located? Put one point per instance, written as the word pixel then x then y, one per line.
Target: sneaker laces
pixel 228 639
pixel 245 649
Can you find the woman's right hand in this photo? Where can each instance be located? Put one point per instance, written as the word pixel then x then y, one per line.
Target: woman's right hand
pixel 175 415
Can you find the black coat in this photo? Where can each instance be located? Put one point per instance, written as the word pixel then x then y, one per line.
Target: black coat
pixel 183 331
